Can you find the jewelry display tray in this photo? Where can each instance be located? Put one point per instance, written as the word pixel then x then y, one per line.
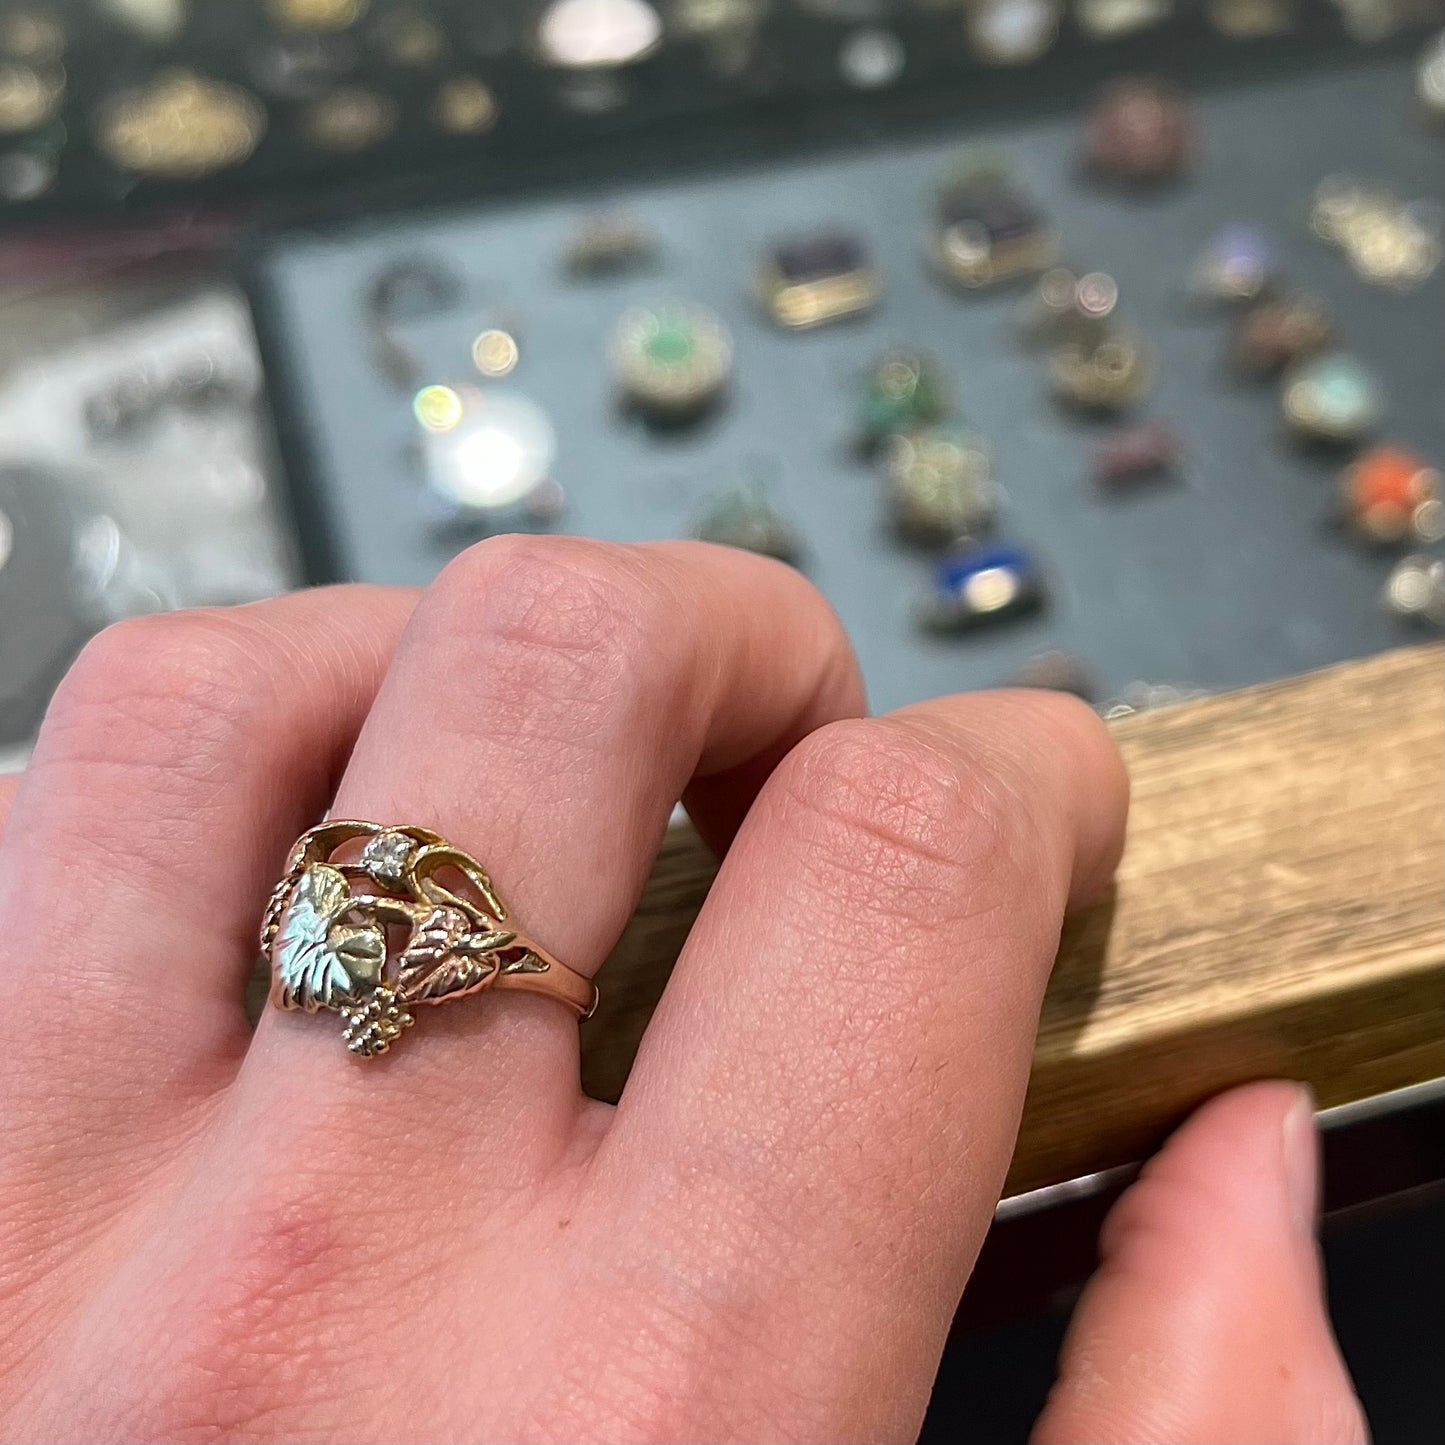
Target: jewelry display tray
pixel 1235 572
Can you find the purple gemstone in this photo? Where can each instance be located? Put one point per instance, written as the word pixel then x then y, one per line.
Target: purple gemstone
pixel 1246 247
pixel 1238 264
pixel 803 260
pixel 1003 214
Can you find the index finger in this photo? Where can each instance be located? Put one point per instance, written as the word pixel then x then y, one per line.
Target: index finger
pixel 832 1083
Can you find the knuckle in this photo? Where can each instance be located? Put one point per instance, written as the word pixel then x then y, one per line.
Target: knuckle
pixel 145 685
pixel 874 799
pixel 555 619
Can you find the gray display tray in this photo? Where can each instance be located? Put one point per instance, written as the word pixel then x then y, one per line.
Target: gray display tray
pixel 1233 574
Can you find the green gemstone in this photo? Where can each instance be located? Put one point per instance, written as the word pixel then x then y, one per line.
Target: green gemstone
pixel 900 395
pixel 670 345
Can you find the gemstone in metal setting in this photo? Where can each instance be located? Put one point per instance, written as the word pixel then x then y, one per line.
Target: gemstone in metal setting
pixel 978 584
pixel 1238 265
pixel 1416 589
pixel 904 390
pixel 1388 242
pixel 672 361
pixel 1390 495
pixel 940 485
pixel 1108 376
pixel 1332 398
pixel 1069 308
pixel 809 280
pixel 1147 452
pixel 609 243
pixel 1273 333
pixel 1138 131
pixel 746 518
pixel 985 231
pixel 386 856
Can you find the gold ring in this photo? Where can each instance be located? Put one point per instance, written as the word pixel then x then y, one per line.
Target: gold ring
pixel 370 921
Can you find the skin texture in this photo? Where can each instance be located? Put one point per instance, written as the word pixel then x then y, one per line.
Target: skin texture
pixel 210 1235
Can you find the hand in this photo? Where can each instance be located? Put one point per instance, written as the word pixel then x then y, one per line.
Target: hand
pixel 210 1235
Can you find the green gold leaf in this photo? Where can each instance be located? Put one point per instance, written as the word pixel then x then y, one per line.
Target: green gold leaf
pixel 317 962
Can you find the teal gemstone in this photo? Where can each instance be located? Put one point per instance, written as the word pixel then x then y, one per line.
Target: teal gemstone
pixel 1334 397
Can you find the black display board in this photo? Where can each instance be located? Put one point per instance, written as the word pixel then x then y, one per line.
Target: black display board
pixel 1231 574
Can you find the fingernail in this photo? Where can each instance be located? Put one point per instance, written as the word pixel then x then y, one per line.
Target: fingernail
pixel 1302 1161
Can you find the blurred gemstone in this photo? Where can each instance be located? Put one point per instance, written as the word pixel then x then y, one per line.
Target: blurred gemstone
pixel 1332 398
pixel 587 34
pixel 986 231
pixel 670 344
pixel 904 391
pixel 672 361
pixel 1430 78
pixel 1272 334
pixel 1106 376
pixel 1136 453
pixel 745 518
pixel 1138 130
pixel 939 485
pixel 823 277
pixel 608 243
pixel 1237 266
pixel 1012 32
pixel 488 467
pixel 1391 495
pixel 1000 212
pixel 815 258
pixel 1416 588
pixel 982 583
pixel 871 58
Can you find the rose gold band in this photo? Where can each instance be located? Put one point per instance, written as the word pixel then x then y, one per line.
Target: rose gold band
pixel 555 980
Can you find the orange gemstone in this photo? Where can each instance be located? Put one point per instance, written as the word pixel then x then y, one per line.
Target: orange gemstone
pixel 1390 477
pixel 1385 490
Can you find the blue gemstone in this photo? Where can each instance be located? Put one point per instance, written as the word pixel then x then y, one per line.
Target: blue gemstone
pixel 956 570
pixel 979 584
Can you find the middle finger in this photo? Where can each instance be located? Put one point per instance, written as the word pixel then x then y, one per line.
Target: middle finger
pixel 547 706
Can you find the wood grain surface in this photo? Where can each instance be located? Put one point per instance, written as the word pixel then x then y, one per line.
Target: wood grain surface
pixel 1280 910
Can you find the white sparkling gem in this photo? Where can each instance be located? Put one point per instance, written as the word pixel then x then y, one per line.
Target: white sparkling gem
pixel 386 854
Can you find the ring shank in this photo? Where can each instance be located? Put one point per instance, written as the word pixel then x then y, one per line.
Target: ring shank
pixel 551 978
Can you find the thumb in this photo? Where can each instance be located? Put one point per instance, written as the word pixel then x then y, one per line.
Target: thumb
pixel 1206 1320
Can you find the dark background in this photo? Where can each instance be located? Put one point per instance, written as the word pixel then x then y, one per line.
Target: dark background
pixel 1232 573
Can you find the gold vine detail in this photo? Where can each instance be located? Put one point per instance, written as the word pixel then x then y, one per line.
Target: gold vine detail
pixel 328 924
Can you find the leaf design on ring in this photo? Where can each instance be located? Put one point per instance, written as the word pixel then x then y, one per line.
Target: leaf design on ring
pixel 321 962
pixel 445 957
